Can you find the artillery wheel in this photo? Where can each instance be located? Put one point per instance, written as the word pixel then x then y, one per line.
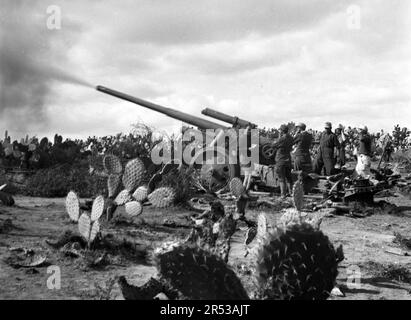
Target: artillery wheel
pixel 268 151
pixel 216 175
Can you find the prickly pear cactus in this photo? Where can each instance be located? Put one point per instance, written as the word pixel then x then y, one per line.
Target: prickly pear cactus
pixel 262 227
pixel 122 198
pixel 88 225
pixel 84 223
pixel 97 208
pixel 227 226
pixel 113 182
pixel 133 174
pixel 112 164
pixel 198 274
pixel 73 206
pixel 236 187
pixel 298 262
pixel 162 197
pixel 134 208
pixel 290 217
pixel 87 228
pixel 223 230
pixel 141 193
pixel 294 216
pixel 298 195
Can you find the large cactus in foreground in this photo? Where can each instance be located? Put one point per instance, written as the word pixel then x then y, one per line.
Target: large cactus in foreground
pixel 293 261
pixel 198 274
pixel 297 262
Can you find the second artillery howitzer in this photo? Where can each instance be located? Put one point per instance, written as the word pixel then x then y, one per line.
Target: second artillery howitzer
pixel 216 174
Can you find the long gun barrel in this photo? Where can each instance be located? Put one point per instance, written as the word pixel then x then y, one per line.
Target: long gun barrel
pixel 175 114
pixel 235 121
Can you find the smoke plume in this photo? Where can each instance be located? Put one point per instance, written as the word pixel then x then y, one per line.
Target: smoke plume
pixel 31 59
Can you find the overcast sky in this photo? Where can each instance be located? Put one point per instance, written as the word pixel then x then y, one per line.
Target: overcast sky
pixel 267 61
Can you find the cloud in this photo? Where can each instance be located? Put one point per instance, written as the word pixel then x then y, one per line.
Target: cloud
pixel 180 22
pixel 269 62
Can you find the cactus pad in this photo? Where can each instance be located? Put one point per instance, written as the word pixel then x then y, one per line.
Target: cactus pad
pixel 198 274
pixel 236 187
pixel 133 174
pixel 250 235
pixel 162 197
pixel 73 206
pixel 95 228
pixel 262 227
pixel 112 164
pixel 113 182
pixel 141 193
pixel 84 226
pixel 298 262
pixel 298 195
pixel 133 208
pixel 97 209
pixel 122 198
pixel 290 217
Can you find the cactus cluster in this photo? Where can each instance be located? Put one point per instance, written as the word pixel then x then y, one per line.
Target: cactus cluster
pixel 88 224
pixel 294 262
pixel 134 193
pixel 131 178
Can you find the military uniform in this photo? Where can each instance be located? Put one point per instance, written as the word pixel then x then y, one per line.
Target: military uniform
pixel 342 138
pixel 363 167
pixel 284 147
pixel 302 161
pixel 325 158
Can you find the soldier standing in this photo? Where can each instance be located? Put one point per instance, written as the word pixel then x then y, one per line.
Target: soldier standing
pixel 284 146
pixel 325 157
pixel 386 144
pixel 303 141
pixel 339 132
pixel 364 153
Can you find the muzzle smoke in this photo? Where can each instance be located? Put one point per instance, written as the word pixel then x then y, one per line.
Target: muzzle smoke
pixel 28 57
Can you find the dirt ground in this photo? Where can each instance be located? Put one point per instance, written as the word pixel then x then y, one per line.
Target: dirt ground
pixel 365 242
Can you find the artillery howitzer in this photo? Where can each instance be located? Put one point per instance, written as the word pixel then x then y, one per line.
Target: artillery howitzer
pixel 217 173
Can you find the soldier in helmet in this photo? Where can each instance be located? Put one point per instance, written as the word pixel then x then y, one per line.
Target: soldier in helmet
pixel 303 141
pixel 284 146
pixel 325 157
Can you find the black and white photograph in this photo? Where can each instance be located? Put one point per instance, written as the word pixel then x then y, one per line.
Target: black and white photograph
pixel 223 151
